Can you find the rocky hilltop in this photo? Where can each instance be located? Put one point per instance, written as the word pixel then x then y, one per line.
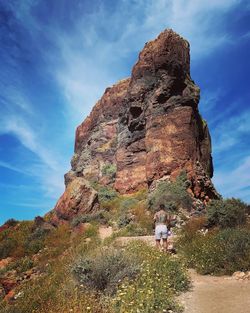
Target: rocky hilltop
pixel 144 129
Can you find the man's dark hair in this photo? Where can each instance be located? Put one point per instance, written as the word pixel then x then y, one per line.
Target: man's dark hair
pixel 162 207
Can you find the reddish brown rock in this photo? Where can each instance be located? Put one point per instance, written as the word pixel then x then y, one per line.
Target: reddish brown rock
pixel 79 197
pixel 148 127
pixel 8 283
pixel 10 296
pixel 5 262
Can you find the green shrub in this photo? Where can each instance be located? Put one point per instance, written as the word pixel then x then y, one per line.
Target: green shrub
pixel 217 252
pixel 33 246
pixel 106 194
pixel 11 222
pixel 91 231
pixel 21 265
pixel 105 270
pixel 100 217
pixel 128 203
pixel 7 247
pixel 124 220
pixel 132 229
pixel 109 170
pixel 173 195
pixel 226 213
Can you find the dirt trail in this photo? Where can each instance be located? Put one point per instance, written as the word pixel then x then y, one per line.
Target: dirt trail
pixel 105 232
pixel 211 294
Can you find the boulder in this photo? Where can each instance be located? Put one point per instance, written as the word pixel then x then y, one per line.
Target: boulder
pixel 78 198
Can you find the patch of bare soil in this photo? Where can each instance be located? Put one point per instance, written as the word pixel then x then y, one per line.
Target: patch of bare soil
pixel 105 232
pixel 211 294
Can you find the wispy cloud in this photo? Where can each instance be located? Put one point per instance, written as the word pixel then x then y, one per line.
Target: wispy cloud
pixel 235 182
pixel 230 132
pixel 91 56
pixel 13 168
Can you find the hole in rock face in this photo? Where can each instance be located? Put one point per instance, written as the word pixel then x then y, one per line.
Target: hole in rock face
pixel 136 111
pixel 136 126
pixel 178 88
pixel 162 98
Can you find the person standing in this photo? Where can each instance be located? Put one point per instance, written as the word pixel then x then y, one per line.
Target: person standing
pixel 162 220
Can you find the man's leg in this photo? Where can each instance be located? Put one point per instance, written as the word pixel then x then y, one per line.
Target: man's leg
pixel 165 244
pixel 158 243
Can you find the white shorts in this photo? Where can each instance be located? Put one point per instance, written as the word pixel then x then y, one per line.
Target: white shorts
pixel 161 231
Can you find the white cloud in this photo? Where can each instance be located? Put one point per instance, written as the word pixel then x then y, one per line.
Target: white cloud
pixel 236 182
pixel 13 168
pixel 231 131
pixel 47 168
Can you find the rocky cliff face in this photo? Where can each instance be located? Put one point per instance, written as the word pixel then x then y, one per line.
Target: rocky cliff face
pixel 144 129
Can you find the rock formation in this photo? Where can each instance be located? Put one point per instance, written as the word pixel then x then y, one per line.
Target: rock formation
pixel 144 129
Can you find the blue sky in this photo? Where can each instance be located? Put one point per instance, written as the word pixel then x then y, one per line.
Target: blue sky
pixel 57 57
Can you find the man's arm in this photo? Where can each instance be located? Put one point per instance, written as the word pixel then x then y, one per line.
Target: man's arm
pixel 155 217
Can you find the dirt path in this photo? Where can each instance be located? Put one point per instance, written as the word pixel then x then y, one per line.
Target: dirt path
pixel 216 295
pixel 105 232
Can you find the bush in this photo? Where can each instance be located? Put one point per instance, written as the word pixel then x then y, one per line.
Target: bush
pixel 109 170
pixel 217 252
pixel 173 195
pixel 124 220
pixel 11 222
pixel 153 289
pixel 12 241
pixel 33 246
pixel 91 231
pixel 105 270
pixel 132 229
pixel 106 194
pixel 21 265
pixel 7 247
pixel 226 213
pixel 100 217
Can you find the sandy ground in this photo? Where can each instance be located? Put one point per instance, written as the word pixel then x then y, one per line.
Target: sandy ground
pixel 211 294
pixel 105 232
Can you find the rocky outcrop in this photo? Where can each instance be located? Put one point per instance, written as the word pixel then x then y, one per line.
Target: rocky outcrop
pixel 78 198
pixel 143 129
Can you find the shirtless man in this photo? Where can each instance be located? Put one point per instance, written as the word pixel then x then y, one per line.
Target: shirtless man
pixel 161 219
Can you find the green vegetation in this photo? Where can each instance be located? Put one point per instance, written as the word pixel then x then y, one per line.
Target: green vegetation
pixel 85 276
pixel 128 213
pixel 227 213
pixel 106 194
pixel 219 251
pixel 109 170
pixel 153 290
pixel 18 241
pixel 100 217
pixel 20 265
pixel 173 195
pixel 76 272
pixel 105 269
